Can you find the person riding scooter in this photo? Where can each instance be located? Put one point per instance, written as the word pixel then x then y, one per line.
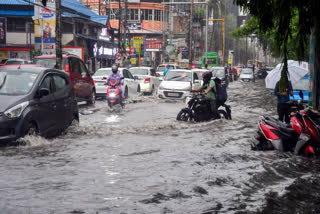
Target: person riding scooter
pixel 116 76
pixel 206 90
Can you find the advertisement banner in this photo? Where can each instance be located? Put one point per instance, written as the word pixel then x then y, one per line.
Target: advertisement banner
pixel 45 27
pixel 3 30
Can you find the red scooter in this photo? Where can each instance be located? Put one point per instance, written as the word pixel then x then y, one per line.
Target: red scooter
pixel 113 93
pixel 301 137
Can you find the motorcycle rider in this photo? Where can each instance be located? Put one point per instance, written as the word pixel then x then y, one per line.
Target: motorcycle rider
pixel 115 75
pixel 206 90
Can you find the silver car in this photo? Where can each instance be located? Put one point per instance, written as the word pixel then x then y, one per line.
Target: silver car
pixel 246 75
pixel 101 75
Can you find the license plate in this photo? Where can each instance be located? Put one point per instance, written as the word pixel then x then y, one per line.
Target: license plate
pixel 173 94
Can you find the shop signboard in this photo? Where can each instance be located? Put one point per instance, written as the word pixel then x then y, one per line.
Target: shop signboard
pixel 3 30
pixel 78 51
pixel 137 41
pixel 44 27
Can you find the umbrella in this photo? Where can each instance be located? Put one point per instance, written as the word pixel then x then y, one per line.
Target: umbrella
pixel 296 72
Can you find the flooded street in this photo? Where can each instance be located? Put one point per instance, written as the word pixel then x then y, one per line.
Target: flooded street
pixel 141 160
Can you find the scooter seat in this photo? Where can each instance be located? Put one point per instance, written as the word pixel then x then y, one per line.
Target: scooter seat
pixel 288 132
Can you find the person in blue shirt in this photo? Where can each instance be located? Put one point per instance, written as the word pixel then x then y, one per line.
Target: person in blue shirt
pixel 283 106
pixel 166 71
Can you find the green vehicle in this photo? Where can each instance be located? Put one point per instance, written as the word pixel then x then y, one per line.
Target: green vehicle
pixel 212 59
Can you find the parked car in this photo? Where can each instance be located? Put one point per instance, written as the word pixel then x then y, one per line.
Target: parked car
pixel 77 71
pixel 101 75
pixel 178 83
pixel 16 61
pixel 220 73
pixel 34 99
pixel 262 73
pixel 247 75
pixel 161 68
pixel 148 80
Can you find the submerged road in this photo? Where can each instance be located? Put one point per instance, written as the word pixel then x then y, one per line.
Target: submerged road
pixel 141 160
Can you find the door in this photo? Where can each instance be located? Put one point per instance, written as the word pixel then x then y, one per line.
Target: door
pixel 47 107
pixel 76 78
pixel 195 81
pixel 86 80
pixel 131 82
pixel 64 100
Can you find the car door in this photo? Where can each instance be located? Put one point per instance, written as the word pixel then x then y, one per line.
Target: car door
pixel 47 106
pixel 76 78
pixel 195 81
pixel 134 82
pixel 64 100
pixel 86 80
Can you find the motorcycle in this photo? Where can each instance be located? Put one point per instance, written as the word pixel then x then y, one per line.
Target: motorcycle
pixel 199 110
pixel 113 93
pixel 302 137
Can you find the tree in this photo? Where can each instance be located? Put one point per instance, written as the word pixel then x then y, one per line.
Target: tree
pixel 284 16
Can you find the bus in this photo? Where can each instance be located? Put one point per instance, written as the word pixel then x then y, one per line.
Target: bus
pixel 212 59
pixel 256 63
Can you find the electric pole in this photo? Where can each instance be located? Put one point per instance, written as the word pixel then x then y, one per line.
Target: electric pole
pixel 119 28
pixel 58 35
pixel 125 25
pixel 191 36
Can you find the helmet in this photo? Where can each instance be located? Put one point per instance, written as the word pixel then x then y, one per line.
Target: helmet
pixel 114 69
pixel 207 76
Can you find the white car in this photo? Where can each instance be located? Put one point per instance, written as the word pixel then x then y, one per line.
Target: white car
pixel 148 80
pixel 101 75
pixel 178 83
pixel 246 75
pixel 161 68
pixel 200 72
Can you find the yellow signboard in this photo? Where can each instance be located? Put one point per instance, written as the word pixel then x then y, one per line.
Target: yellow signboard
pixel 137 41
pixel 133 60
pixel 229 61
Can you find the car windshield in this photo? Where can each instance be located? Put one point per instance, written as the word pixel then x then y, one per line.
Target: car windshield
pixel 45 62
pixel 102 72
pixel 218 73
pixel 139 71
pixel 181 76
pixel 16 83
pixel 302 84
pixel 200 73
pixel 246 71
pixel 14 62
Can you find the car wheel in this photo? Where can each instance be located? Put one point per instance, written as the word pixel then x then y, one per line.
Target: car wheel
pixel 92 99
pixel 126 93
pixel 31 129
pixel 138 90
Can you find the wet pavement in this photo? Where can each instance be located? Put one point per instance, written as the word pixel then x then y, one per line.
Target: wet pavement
pixel 141 160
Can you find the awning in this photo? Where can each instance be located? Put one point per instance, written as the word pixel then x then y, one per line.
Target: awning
pixel 95 39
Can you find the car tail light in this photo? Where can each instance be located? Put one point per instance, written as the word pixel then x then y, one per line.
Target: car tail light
pixel 67 68
pixel 147 80
pixel 94 81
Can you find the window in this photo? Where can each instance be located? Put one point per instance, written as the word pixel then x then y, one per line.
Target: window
pixel 59 82
pixel 130 75
pixel 18 24
pixel 146 14
pixel 157 15
pixel 67 27
pixel 84 71
pixel 75 67
pixel 195 76
pixel 47 84
pixel 125 74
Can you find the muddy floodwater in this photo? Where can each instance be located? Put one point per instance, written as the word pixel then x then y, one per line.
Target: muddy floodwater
pixel 141 160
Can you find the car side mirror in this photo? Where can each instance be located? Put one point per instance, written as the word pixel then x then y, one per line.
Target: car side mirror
pixel 43 92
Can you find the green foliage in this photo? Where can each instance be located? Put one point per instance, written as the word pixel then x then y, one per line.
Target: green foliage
pixel 290 23
pixel 36 52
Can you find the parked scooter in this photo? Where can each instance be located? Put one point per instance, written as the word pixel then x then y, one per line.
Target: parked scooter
pixel 199 110
pixel 301 137
pixel 113 93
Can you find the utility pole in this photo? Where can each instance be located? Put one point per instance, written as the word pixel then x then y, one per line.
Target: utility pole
pixel 191 36
pixel 125 25
pixel 206 62
pixel 58 35
pixel 119 28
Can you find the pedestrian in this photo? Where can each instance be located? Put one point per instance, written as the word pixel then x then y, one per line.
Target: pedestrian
pixel 166 71
pixel 235 74
pixel 283 106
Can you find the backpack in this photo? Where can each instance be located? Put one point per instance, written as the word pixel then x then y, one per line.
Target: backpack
pixel 220 92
